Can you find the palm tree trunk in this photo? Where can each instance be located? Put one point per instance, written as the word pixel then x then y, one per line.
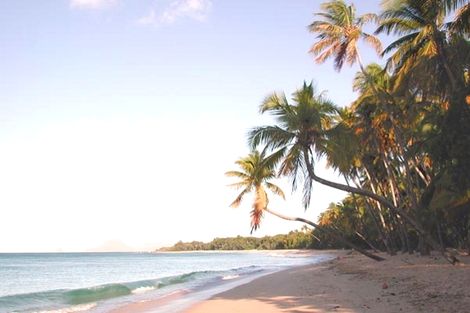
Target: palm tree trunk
pixel 396 210
pixel 366 241
pixel 381 228
pixel 391 181
pixel 439 233
pixel 383 233
pixel 356 206
pixel 361 192
pixel 374 190
pixel 425 177
pixel 336 234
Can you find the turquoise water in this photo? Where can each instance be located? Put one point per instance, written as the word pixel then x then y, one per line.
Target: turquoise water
pixel 97 282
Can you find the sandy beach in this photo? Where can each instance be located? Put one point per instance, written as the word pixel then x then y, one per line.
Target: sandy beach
pixel 351 284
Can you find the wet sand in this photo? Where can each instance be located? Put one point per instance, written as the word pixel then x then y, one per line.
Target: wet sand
pixel 352 283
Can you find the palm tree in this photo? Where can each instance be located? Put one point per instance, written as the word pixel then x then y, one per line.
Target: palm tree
pixel 302 130
pixel 256 172
pixel 299 126
pixel 302 134
pixel 424 36
pixel 430 46
pixel 339 33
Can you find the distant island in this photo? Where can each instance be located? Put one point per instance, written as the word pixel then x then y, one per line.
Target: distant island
pixel 302 239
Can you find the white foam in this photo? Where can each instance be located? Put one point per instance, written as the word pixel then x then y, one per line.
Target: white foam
pixel 229 277
pixel 72 309
pixel 142 290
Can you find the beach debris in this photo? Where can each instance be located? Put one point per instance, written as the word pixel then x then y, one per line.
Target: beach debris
pixel 385 285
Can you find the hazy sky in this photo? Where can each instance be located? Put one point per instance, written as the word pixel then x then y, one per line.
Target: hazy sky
pixel 118 118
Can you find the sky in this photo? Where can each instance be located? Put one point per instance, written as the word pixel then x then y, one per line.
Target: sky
pixel 119 118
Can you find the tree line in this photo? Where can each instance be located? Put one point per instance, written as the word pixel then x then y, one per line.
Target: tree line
pixel 302 239
pixel 402 146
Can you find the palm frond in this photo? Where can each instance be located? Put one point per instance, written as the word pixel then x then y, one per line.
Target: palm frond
pixel 339 12
pixel 321 46
pixel 260 204
pixel 340 56
pixel 325 28
pixel 400 42
pixel 274 102
pixel 374 42
pixel 274 137
pixel 239 198
pixel 276 190
pixel 238 185
pixel 400 22
pixel 272 160
pixel 256 217
pixel 351 52
pixel 292 165
pixel 326 54
pixel 367 18
pixel 237 174
pixel 307 192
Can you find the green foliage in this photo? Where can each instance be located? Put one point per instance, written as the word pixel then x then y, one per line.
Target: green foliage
pixel 403 145
pixel 293 240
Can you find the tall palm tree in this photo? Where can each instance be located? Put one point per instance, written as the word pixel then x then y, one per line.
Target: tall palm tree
pixel 302 130
pixel 301 126
pixel 339 32
pixel 301 133
pixel 255 174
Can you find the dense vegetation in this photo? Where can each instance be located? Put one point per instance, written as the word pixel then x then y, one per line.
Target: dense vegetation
pixel 293 240
pixel 403 146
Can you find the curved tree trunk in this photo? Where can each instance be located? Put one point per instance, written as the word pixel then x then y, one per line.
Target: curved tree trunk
pixel 396 210
pixel 336 234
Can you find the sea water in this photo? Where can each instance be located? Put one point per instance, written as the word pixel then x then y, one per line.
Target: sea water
pixel 99 282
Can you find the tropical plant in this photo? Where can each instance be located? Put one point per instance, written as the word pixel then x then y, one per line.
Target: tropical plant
pixel 424 39
pixel 339 32
pixel 257 170
pixel 301 133
pixel 401 145
pixel 255 174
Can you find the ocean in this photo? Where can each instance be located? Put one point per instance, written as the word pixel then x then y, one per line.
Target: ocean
pixel 101 282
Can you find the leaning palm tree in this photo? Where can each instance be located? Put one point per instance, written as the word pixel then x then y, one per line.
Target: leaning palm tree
pixel 339 32
pixel 302 133
pixel 255 174
pixel 302 130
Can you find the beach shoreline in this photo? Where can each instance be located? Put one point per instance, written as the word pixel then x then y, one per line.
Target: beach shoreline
pixel 103 282
pixel 183 299
pixel 352 283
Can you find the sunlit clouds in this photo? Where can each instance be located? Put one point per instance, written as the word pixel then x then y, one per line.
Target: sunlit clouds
pixel 197 10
